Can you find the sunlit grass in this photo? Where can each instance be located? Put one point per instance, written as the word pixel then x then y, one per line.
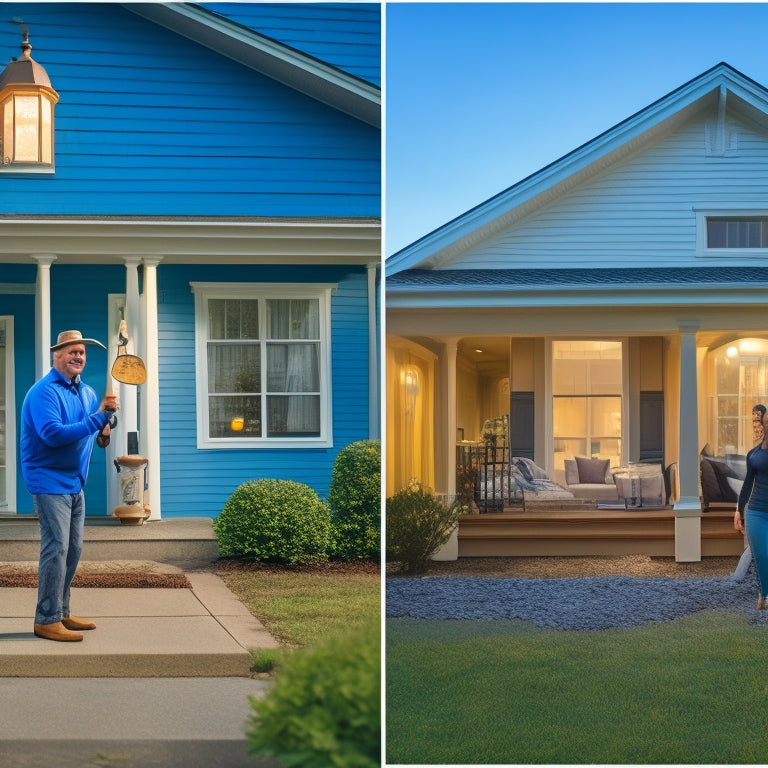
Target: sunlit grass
pixel 689 691
pixel 301 607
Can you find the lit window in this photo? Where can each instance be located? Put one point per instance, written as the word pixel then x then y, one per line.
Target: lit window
pixel 263 355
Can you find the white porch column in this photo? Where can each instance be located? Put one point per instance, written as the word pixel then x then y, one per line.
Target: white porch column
pixel 149 440
pixel 374 370
pixel 688 507
pixel 43 314
pixel 129 394
pixel 445 458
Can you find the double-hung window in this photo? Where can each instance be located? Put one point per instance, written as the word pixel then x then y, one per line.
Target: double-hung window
pixel 263 365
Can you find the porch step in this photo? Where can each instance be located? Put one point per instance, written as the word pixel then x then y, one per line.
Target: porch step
pixel 580 531
pixel 184 542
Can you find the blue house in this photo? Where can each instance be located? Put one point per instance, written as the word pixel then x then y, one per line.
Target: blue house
pixel 212 178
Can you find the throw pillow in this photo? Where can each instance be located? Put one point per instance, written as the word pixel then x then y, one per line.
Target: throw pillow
pixel 592 471
pixel 571 472
pixel 524 471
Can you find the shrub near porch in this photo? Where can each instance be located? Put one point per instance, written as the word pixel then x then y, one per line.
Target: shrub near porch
pixel 278 521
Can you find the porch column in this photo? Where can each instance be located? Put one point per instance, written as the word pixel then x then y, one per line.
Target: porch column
pixel 688 506
pixel 43 314
pixel 129 394
pixel 374 370
pixel 149 439
pixel 445 458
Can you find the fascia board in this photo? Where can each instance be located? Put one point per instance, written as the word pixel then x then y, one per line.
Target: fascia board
pixel 280 62
pixel 437 248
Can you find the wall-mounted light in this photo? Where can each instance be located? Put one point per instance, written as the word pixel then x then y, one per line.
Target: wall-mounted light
pixel 27 100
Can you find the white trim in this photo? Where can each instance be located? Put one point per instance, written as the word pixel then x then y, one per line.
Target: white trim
pixel 188 241
pixel 10 418
pixel 725 211
pixel 322 292
pixel 149 436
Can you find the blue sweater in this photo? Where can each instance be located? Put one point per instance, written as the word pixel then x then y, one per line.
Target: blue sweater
pixel 754 492
pixel 59 424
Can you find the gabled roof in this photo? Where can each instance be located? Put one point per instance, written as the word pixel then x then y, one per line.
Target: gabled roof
pixel 298 70
pixel 710 90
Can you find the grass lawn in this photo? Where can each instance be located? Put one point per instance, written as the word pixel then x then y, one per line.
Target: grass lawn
pixel 303 604
pixel 689 691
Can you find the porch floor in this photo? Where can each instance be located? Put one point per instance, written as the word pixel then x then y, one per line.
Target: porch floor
pixel 183 542
pixel 558 528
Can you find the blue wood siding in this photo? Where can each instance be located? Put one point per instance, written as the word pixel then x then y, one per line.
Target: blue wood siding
pixel 149 123
pixel 346 35
pixel 198 482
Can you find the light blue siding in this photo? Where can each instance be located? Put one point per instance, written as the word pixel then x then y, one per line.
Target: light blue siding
pixel 149 123
pixel 346 35
pixel 640 212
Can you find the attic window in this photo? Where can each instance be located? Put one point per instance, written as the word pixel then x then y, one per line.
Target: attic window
pixel 727 232
pixel 737 232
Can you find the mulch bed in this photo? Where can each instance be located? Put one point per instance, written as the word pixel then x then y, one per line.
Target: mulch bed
pixel 642 566
pixel 106 580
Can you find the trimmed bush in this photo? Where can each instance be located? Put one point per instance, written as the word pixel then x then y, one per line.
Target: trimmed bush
pixel 325 706
pixel 355 500
pixel 277 521
pixel 417 524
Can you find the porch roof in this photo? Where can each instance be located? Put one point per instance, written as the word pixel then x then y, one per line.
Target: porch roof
pixel 651 276
pixel 567 287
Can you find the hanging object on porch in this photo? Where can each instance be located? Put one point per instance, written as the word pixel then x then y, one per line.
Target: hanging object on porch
pixel 127 369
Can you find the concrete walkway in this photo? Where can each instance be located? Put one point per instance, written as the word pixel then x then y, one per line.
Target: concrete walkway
pixel 200 632
pixel 163 680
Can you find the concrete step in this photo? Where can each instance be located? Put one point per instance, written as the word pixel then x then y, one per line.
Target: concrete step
pixel 200 632
pixel 185 542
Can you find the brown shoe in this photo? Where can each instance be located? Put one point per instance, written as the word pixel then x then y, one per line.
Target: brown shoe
pixel 72 622
pixel 57 631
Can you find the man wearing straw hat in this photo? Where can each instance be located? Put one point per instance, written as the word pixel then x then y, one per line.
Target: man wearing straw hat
pixel 60 419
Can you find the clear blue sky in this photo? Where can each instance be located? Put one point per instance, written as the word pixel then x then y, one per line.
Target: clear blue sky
pixel 480 95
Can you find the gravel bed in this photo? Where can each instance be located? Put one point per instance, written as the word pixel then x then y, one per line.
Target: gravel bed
pixel 573 603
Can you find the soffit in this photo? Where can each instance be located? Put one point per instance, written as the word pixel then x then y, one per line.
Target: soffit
pixel 174 241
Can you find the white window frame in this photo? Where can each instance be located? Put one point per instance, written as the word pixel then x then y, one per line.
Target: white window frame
pixel 261 292
pixel 703 214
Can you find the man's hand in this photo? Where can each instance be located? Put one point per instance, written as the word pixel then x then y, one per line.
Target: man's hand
pixel 109 403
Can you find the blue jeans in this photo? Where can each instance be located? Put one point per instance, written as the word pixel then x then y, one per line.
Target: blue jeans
pixel 62 517
pixel 756 526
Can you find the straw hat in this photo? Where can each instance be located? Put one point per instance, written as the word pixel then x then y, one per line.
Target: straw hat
pixel 73 337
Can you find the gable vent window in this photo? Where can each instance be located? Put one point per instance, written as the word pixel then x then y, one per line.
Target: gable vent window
pixel 745 232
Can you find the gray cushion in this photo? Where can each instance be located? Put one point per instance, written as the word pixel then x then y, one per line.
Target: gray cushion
pixel 571 472
pixel 592 470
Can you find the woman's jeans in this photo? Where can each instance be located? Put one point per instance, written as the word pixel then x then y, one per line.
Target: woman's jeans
pixel 756 526
pixel 62 517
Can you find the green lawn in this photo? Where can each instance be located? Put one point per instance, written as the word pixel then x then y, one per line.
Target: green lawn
pixel 301 606
pixel 689 691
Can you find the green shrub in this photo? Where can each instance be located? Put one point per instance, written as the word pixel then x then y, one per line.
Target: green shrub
pixel 277 521
pixel 355 500
pixel 417 524
pixel 325 706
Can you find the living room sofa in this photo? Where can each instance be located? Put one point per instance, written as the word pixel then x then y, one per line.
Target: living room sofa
pixel 591 479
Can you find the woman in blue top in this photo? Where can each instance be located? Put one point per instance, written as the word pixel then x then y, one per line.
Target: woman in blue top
pixel 752 511
pixel 60 419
